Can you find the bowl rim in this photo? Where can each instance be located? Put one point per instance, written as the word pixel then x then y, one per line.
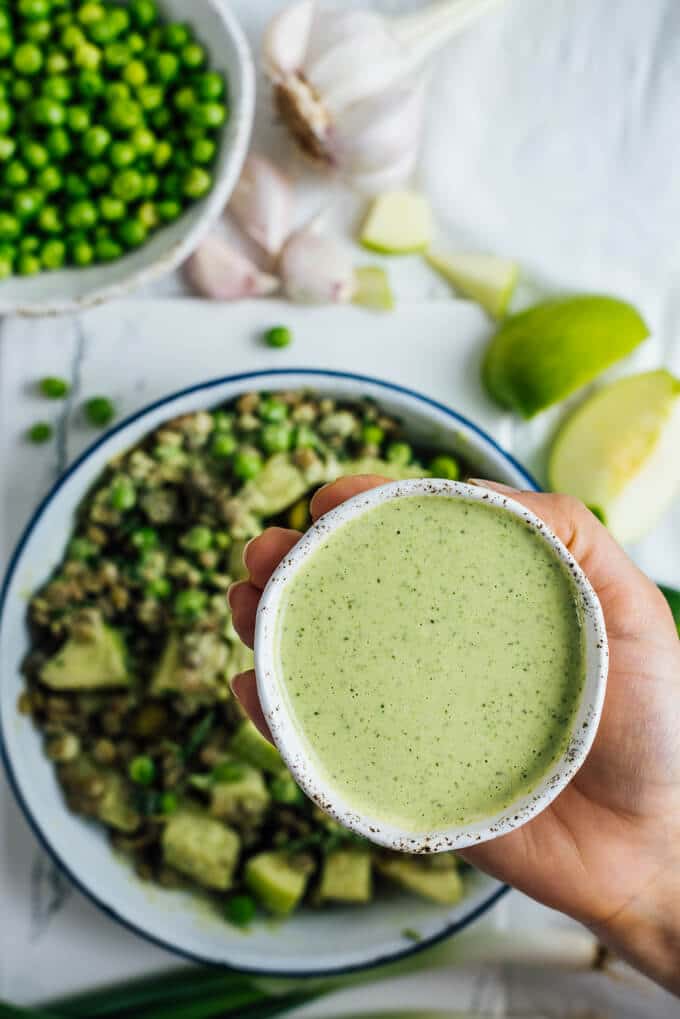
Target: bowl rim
pixel 290 739
pixel 212 206
pixel 13 563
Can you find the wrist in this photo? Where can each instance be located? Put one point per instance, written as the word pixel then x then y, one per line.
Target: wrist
pixel 646 932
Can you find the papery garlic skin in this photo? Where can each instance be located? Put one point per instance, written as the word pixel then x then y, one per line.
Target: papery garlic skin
pixel 349 84
pixel 315 268
pixel 218 272
pixel 262 203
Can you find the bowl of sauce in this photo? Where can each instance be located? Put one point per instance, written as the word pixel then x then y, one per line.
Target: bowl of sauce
pixel 432 664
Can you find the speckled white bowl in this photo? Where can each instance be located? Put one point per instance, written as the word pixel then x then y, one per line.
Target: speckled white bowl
pixel 313 941
pixel 291 740
pixel 69 290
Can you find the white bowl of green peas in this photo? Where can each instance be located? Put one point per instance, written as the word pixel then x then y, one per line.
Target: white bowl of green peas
pixel 123 129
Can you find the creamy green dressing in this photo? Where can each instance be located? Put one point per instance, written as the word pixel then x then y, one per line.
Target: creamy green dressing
pixel 432 654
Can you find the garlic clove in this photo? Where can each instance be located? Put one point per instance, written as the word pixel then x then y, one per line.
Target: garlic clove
pixel 217 271
pixel 315 268
pixel 262 203
pixel 286 38
pixel 380 131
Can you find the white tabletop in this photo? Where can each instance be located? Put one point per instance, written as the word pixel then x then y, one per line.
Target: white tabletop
pixel 552 137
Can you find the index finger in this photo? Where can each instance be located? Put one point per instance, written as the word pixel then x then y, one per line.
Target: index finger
pixel 331 495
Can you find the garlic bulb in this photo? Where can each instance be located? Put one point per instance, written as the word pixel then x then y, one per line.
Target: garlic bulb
pixel 262 204
pixel 315 268
pixel 217 271
pixel 349 84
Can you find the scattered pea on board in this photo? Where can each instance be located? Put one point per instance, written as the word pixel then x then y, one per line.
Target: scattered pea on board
pixel 95 100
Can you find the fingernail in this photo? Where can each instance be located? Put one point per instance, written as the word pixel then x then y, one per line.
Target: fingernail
pixel 495 486
pixel 233 685
pixel 245 551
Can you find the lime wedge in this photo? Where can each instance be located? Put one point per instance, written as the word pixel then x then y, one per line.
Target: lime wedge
pixel 541 355
pixel 372 288
pixel 619 452
pixel 486 279
pixel 397 223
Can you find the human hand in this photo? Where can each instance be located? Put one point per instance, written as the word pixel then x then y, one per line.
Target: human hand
pixel 607 850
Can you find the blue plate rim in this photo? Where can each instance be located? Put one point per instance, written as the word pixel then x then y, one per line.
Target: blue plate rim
pixel 381 960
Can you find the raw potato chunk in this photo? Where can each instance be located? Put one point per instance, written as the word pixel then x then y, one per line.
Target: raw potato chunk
pixel 275 882
pixel 250 746
pixel 346 876
pixel 201 847
pixel 203 685
pixel 242 802
pixel 113 806
pixel 442 886
pixel 95 662
pixel 398 222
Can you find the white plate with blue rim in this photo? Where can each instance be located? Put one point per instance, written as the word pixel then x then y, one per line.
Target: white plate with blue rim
pixel 312 942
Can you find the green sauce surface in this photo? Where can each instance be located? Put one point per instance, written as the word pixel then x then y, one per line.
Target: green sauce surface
pixel 433 658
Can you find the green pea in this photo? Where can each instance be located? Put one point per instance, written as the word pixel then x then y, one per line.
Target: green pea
pixel 190 604
pixel 29 244
pixel 224 446
pixel 210 86
pixel 372 434
pixel 284 790
pixel 99 411
pixel 78 119
pixel 6 263
pixel 143 140
pixel 91 85
pixel 142 770
pixel 203 150
pixel 209 115
pixel 88 57
pixel 132 233
pixel 273 410
pixel 116 55
pixel 58 143
pixel 399 453
pixel 247 464
pixel 228 771
pixel 27 203
pixel 197 182
pixel 95 141
pixel 184 99
pixel 53 387
pixel 169 210
pixel 122 494
pixel 278 336
pixel 162 154
pixel 103 31
pixel 136 44
pixel 276 438
pixel 166 66
pixel 49 220
pixel 6 117
pixel 144 12
pixel 161 118
pixel 82 549
pixel 98 175
pixel 128 185
pixel 198 539
pixel 240 910
pixel 49 179
pixel 117 90
pixel 82 215
pixel 125 115
pixel 56 62
pixel 445 467
pixel 35 154
pixel 122 154
pixel 22 90
pixel 111 209
pixel 41 431
pixel 82 252
pixel 48 112
pixel 57 87
pixel 28 265
pixel 151 98
pixel 135 73
pixel 10 227
pixel 72 37
pixel 121 18
pixel 107 249
pixel 38 31
pixel 53 254
pixel 33 10
pixel 160 588
pixel 150 184
pixel 88 13
pixel 193 56
pixel 168 803
pixel 28 58
pixel 176 36
pixel 8 147
pixel 148 215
